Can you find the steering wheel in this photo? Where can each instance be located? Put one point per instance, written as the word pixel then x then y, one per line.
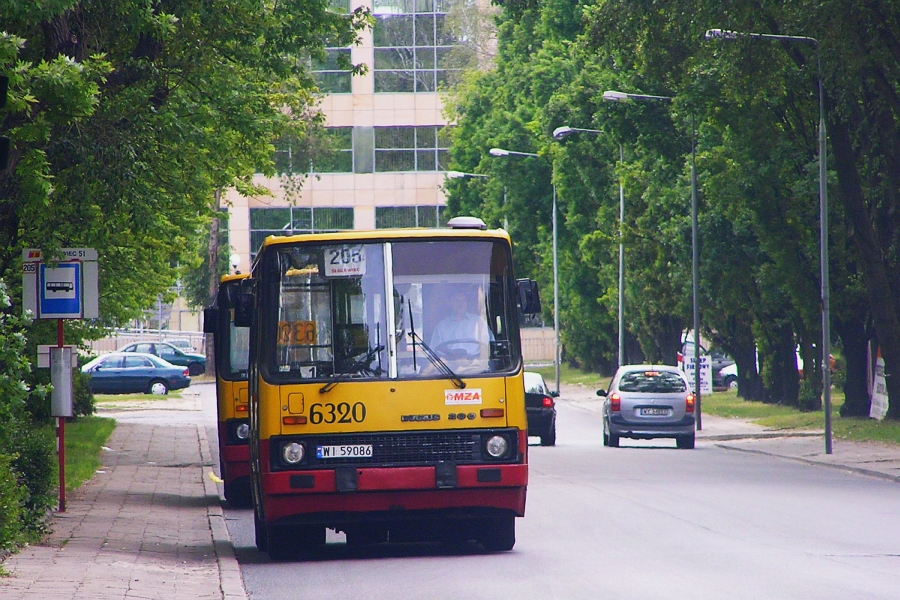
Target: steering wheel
pixel 451 350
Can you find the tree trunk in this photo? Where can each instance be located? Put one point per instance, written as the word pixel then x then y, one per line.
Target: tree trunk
pixel 783 379
pixel 855 340
pixel 881 301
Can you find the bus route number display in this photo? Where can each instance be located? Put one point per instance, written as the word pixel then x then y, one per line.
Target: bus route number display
pixel 291 333
pixel 345 261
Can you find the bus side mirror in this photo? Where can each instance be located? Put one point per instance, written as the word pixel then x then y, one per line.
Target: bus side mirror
pixel 210 318
pixel 243 310
pixel 529 298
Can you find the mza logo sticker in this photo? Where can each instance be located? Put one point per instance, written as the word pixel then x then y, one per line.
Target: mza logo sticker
pixel 453 397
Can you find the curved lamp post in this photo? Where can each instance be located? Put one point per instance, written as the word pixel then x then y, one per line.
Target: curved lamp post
pixel 727 35
pixel 560 133
pixel 615 96
pixel 556 353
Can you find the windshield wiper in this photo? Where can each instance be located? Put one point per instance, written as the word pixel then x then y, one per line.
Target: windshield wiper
pixel 437 361
pixel 361 364
pixel 431 354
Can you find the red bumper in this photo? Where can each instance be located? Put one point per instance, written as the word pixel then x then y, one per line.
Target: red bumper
pixel 394 489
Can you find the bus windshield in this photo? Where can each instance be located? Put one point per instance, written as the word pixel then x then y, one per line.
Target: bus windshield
pixel 232 343
pixel 402 309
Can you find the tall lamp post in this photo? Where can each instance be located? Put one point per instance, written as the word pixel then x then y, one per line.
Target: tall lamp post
pixel 561 133
pixel 615 96
pixel 726 35
pixel 503 152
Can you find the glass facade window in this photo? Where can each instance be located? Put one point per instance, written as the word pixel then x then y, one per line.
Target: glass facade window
pixel 412 45
pixel 331 77
pixel 294 220
pixel 387 217
pixel 410 149
pixel 340 157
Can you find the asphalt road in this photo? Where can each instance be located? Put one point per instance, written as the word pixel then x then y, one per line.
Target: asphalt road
pixel 641 521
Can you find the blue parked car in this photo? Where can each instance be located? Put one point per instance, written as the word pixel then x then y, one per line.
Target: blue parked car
pixel 133 372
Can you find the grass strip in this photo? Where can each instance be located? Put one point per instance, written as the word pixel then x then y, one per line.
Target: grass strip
pixel 106 398
pixel 84 440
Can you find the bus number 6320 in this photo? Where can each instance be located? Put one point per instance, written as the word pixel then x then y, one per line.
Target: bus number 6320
pixel 342 412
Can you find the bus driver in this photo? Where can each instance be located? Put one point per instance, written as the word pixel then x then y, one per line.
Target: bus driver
pixel 461 334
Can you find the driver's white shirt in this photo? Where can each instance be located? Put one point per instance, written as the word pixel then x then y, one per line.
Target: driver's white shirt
pixel 470 328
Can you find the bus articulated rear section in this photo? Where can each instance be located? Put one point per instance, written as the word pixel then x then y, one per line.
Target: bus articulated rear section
pixel 386 394
pixel 231 350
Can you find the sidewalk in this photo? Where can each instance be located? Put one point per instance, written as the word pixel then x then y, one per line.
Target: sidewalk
pixel 148 525
pixel 867 458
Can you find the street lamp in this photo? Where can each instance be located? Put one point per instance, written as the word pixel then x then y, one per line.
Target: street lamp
pixel 561 133
pixel 462 175
pixel 556 352
pixel 614 96
pixel 727 35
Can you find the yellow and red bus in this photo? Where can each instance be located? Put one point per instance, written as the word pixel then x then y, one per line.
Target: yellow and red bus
pixel 232 350
pixel 386 388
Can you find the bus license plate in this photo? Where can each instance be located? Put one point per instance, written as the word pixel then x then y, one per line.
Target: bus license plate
pixel 344 451
pixel 654 412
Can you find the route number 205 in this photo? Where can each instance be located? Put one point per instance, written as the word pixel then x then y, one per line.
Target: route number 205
pixel 343 412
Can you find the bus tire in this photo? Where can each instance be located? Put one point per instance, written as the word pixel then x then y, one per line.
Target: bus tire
pixel 237 494
pixel 291 541
pixel 262 537
pixel 281 544
pixel 499 534
pixel 366 535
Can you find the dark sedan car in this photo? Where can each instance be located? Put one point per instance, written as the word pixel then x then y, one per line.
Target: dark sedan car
pixel 540 408
pixel 133 372
pixel 196 363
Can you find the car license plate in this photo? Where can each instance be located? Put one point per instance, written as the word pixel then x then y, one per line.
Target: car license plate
pixel 344 451
pixel 654 412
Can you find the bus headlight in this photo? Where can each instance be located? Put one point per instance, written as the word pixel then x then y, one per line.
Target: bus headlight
pixel 242 431
pixel 292 453
pixel 496 446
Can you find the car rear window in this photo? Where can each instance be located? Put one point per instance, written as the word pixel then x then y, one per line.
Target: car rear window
pixel 654 382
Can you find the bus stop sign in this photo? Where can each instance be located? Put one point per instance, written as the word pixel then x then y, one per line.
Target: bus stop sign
pixel 65 289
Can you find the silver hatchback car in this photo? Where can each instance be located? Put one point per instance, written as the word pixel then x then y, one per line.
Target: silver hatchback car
pixel 648 401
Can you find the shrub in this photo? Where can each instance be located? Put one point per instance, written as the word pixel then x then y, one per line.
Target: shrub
pixel 11 501
pixel 34 462
pixel 28 447
pixel 82 397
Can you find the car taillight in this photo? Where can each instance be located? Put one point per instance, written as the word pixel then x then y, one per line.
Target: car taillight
pixel 689 403
pixel 186 372
pixel 548 402
pixel 615 402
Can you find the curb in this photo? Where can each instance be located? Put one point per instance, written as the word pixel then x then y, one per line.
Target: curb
pixel 230 581
pixel 766 435
pixel 809 461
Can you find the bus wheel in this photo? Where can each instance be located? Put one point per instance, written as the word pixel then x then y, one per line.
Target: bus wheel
pixel 366 535
pixel 287 542
pixel 262 538
pixel 237 494
pixel 499 534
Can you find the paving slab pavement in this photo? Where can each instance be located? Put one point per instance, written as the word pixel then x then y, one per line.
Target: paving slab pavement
pixel 148 525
